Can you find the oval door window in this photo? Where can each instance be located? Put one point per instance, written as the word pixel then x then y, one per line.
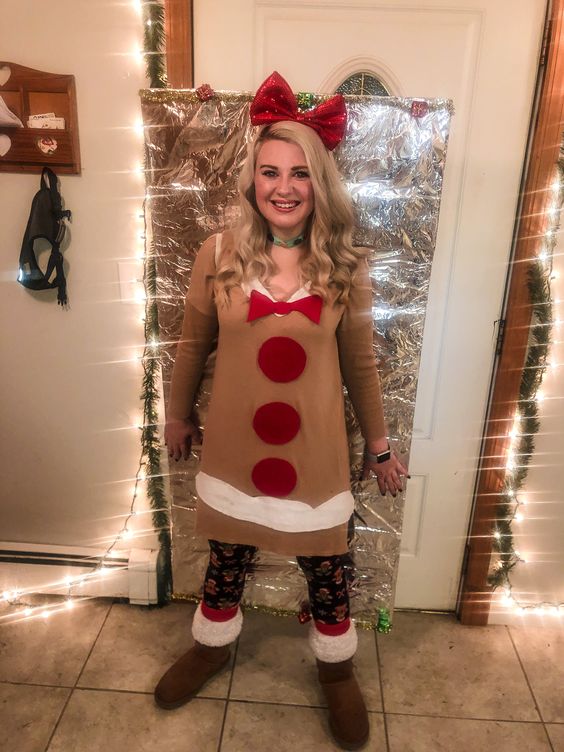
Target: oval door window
pixel 363 83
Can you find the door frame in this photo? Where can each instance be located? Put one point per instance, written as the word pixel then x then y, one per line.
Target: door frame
pixel 179 43
pixel 531 224
pixel 474 599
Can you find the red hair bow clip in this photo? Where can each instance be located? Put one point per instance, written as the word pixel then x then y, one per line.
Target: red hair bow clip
pixel 274 101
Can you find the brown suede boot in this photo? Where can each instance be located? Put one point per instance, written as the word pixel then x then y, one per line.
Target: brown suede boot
pixel 189 674
pixel 348 717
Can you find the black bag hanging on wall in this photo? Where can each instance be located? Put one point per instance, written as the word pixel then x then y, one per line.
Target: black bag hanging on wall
pixel 46 220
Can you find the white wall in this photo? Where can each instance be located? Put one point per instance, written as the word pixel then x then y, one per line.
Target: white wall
pixel 69 390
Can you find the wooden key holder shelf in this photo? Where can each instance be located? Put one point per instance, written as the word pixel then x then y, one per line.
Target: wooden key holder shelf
pixel 32 92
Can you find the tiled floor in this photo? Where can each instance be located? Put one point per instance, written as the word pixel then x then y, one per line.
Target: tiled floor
pixel 82 681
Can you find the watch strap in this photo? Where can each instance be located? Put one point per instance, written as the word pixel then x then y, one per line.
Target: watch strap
pixel 380 456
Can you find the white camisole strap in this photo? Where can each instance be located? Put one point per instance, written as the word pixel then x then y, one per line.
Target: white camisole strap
pixel 218 239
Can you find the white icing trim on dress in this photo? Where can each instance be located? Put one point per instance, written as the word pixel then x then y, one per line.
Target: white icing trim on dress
pixel 287 515
pixel 333 649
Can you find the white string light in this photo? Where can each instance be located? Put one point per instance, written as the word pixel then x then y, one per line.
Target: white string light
pixel 140 296
pixel 545 255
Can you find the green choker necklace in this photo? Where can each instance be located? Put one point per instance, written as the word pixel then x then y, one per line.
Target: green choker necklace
pixel 286 243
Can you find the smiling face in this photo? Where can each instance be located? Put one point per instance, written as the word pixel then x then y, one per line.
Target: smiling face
pixel 283 188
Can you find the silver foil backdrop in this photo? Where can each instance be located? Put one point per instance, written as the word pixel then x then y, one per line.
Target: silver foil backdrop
pixel 393 159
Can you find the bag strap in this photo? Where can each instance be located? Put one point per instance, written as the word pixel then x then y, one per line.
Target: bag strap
pixel 56 199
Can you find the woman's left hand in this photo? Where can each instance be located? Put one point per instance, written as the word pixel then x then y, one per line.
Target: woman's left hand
pixel 388 474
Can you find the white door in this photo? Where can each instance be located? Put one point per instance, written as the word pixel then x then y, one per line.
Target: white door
pixel 483 55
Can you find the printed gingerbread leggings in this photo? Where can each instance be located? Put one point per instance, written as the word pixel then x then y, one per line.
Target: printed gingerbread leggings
pixel 325 575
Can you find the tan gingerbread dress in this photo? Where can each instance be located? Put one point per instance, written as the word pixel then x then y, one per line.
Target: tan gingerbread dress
pixel 275 468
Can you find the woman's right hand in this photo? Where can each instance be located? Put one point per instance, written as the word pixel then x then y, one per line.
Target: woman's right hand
pixel 178 436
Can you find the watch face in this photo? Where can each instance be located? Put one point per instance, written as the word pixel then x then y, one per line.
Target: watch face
pixel 383 456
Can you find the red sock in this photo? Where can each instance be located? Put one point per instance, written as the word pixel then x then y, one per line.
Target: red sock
pixel 333 630
pixel 218 614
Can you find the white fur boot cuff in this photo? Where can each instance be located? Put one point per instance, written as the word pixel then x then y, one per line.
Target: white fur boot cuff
pixel 331 649
pixel 215 634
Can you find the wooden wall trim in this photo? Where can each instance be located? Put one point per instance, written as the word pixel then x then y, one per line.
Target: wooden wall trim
pixel 475 594
pixel 179 31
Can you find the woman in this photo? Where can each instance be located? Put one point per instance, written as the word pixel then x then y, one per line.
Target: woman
pixel 289 298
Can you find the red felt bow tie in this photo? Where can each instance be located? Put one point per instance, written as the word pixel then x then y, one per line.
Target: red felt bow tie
pixel 274 101
pixel 260 306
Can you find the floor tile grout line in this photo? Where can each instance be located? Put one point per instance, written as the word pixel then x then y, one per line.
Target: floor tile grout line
pixel 93 646
pixel 537 706
pixel 392 712
pixel 72 689
pixel 381 691
pixel 548 739
pixel 283 704
pixel 35 684
pixel 220 741
pixel 118 690
pixel 480 719
pixel 277 703
pixel 56 724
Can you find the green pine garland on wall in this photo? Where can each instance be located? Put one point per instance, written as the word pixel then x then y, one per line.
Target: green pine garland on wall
pixel 154 43
pixel 150 440
pixel 535 366
pixel 540 331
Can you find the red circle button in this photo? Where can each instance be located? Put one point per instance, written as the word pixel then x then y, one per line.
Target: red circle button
pixel 281 359
pixel 274 477
pixel 276 422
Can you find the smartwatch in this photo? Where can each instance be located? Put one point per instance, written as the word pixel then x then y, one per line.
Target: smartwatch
pixel 381 456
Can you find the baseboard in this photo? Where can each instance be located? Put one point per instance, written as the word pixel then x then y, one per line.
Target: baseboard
pixel 39 568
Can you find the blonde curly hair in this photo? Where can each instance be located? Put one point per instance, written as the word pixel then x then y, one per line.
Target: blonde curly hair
pixel 331 259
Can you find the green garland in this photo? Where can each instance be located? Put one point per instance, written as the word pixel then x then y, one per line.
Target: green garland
pixel 533 372
pixel 538 283
pixel 150 441
pixel 154 42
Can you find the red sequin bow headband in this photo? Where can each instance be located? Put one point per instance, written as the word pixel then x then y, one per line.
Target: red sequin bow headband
pixel 274 101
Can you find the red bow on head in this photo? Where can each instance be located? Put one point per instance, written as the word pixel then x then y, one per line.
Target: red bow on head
pixel 274 101
pixel 260 305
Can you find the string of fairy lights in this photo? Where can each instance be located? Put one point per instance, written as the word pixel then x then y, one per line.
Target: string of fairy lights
pixel 148 472
pixel 512 509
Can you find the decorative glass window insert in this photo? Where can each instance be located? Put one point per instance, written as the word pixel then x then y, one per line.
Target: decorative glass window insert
pixel 363 83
